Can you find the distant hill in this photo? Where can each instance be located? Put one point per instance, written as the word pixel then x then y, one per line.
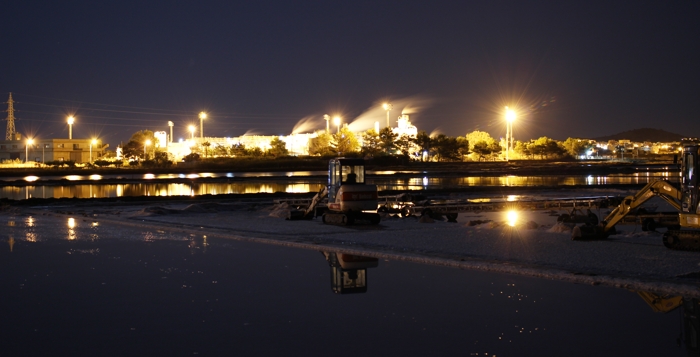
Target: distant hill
pixel 643 134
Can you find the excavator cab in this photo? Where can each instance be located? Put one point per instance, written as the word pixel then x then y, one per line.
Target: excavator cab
pixel 343 171
pixel 689 180
pixel 350 198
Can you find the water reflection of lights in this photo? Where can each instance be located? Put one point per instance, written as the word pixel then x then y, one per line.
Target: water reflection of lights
pixel 31 178
pixel 71 229
pixel 30 235
pixel 512 198
pixel 511 218
pixel 298 188
pixel 94 228
pixel 425 181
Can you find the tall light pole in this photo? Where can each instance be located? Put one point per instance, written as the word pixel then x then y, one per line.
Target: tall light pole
pixel 93 142
pixel 26 150
pixel 71 120
pixel 192 129
pixel 202 116
pixel 171 124
pixel 145 145
pixel 336 121
pixel 327 118
pixel 510 117
pixel 387 107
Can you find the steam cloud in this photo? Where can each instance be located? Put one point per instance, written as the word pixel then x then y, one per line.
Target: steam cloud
pixel 408 105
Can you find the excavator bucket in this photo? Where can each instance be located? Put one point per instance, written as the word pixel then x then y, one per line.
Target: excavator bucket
pixel 296 215
pixel 308 213
pixel 589 232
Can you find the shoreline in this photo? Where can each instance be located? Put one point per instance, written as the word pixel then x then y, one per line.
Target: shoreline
pixel 632 260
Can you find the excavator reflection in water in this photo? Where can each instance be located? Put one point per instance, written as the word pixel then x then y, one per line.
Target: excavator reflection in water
pixel 691 317
pixel 349 272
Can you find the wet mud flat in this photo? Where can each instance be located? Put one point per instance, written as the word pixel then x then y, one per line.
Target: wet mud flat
pixel 81 285
pixel 536 246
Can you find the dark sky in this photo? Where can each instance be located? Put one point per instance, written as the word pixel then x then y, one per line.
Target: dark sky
pixel 580 69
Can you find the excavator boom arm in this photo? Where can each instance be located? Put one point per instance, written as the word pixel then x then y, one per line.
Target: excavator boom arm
pixel 659 188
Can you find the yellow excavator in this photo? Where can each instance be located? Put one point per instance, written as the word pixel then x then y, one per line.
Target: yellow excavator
pixel 346 199
pixel 683 236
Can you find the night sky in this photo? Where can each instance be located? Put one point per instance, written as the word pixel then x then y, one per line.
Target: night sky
pixel 579 69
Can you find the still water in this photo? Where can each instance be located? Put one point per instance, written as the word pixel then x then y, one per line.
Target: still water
pixel 302 182
pixel 76 290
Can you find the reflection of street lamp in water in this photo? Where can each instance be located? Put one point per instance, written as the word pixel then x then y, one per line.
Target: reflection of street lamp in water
pixel 71 228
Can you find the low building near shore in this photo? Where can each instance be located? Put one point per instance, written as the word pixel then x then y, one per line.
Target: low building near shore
pixel 46 150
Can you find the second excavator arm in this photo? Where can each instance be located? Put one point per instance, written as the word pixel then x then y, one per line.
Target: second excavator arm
pixel 659 188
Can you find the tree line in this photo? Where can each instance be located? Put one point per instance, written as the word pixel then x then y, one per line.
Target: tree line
pixel 474 146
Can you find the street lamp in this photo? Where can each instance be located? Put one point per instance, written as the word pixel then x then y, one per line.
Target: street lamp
pixel 145 145
pixel 387 107
pixel 26 150
pixel 71 120
pixel 202 116
pixel 171 124
pixel 327 118
pixel 93 142
pixel 510 117
pixel 336 120
pixel 192 129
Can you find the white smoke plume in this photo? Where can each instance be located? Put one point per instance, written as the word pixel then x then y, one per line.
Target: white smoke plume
pixel 376 113
pixel 309 124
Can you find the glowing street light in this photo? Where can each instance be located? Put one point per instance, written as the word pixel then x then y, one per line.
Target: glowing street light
pixel 327 118
pixel 93 142
pixel 171 124
pixel 145 145
pixel 26 149
pixel 71 120
pixel 510 117
pixel 192 129
pixel 387 107
pixel 336 121
pixel 202 116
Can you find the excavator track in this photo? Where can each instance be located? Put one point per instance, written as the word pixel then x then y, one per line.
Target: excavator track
pixel 346 219
pixel 337 219
pixel 682 240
